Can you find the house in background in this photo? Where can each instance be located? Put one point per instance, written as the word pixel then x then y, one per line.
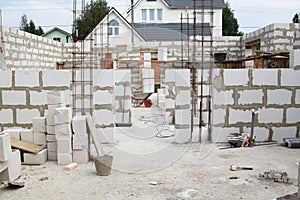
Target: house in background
pixel 59 35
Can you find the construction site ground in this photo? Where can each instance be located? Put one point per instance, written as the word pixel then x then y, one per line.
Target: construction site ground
pixel 148 165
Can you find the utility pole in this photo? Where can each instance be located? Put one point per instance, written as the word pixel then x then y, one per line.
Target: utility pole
pixel 132 22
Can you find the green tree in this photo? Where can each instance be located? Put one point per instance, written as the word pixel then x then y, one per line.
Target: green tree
pixel 90 18
pixel 30 26
pixel 230 23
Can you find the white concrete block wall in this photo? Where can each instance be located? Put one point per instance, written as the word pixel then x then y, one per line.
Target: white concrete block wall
pixel 293 115
pixel 107 135
pixel 102 97
pixel 270 115
pixel 27 135
pixel 182 136
pixel 103 78
pixel 14 97
pixel 236 116
pixel 182 78
pixel 223 98
pixel 183 97
pixel 38 98
pixel 219 134
pixel 290 77
pixel 297 99
pixel 103 117
pixel 265 77
pixel 5 79
pixel 24 116
pixel 235 77
pixel 182 117
pixel 62 78
pixel 261 134
pixel 27 78
pixel 250 97
pixel 6 116
pixel 279 97
pixel 283 132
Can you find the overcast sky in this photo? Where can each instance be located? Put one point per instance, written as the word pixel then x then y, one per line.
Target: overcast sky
pixel 251 14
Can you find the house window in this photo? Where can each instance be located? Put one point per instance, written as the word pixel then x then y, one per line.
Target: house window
pixel 151 14
pixel 113 27
pixel 144 14
pixel 159 14
pixel 56 39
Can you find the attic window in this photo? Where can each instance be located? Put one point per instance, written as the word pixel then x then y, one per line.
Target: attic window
pixel 113 27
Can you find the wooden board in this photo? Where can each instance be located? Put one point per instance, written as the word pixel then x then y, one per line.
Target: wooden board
pixel 93 131
pixel 25 146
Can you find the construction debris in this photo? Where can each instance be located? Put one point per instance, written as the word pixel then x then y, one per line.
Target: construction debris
pixel 275 176
pixel 235 168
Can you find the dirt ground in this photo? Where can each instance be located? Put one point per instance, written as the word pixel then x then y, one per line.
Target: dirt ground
pixel 150 167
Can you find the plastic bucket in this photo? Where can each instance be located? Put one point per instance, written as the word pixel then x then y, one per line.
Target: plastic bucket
pixel 103 165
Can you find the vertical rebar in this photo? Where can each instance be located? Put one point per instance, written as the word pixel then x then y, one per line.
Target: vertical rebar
pixel 132 23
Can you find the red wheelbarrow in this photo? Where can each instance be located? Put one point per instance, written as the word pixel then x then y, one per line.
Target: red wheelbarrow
pixel 141 98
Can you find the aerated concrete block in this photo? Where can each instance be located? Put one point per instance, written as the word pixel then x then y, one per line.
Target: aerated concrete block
pixel 234 77
pixel 62 116
pixel 102 97
pixel 50 138
pixel 64 158
pixel 14 132
pixel 55 97
pixel 183 117
pixel 38 98
pixel 52 146
pixel 122 76
pixel 103 78
pixel 80 156
pixel 223 98
pixel 182 136
pixel 183 97
pixel 182 78
pixel 293 115
pixel 219 116
pixel 290 77
pixel 103 117
pixel 56 78
pixel 39 138
pixel 39 124
pixel 64 145
pixel 236 116
pixel 261 134
pixel 270 115
pixel 5 148
pixel 6 116
pixel 35 159
pixel 27 78
pixel 27 135
pixel 107 135
pixel 283 132
pixel 279 97
pixel 13 97
pixel 50 129
pixel 52 155
pixel 14 166
pixel 250 97
pixel 63 131
pixel 24 116
pixel 5 79
pixel 79 125
pixel 265 77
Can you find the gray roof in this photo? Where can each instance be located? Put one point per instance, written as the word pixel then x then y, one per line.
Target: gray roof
pixel 190 3
pixel 170 31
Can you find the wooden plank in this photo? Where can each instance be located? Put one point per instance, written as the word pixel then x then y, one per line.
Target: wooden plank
pixel 93 132
pixel 25 146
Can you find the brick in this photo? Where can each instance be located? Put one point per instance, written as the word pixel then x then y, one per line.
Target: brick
pixel 50 138
pixel 5 79
pixel 27 78
pixel 103 117
pixel 6 116
pixel 55 97
pixel 107 135
pixel 223 98
pixel 52 155
pixel 39 124
pixel 36 159
pixel 219 116
pixel 14 132
pixel 270 115
pixel 183 97
pixel 5 148
pixel 182 136
pixel 103 78
pixel 122 76
pixel 183 117
pixel 13 97
pixel 39 138
pixel 236 116
pixel 64 158
pixel 24 116
pixel 283 132
pixel 292 115
pixel 56 78
pixel 50 129
pixel 64 145
pixel 63 131
pixel 62 116
pixel 265 77
pixel 102 97
pixel 279 97
pixel 250 97
pixel 234 77
pixel 182 78
pixel 27 135
pixel 80 156
pixel 38 98
pixel 290 77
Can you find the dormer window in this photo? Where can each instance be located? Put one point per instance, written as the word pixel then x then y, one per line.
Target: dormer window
pixel 113 27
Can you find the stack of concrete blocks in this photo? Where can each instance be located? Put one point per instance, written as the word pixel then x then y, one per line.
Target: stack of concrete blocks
pixel 55 99
pixel 14 132
pixel 122 92
pixel 206 87
pixel 10 160
pixel 39 137
pixel 148 80
pixel 170 94
pixel 103 114
pixel 80 140
pixel 275 97
pixel 63 135
pixel 182 106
